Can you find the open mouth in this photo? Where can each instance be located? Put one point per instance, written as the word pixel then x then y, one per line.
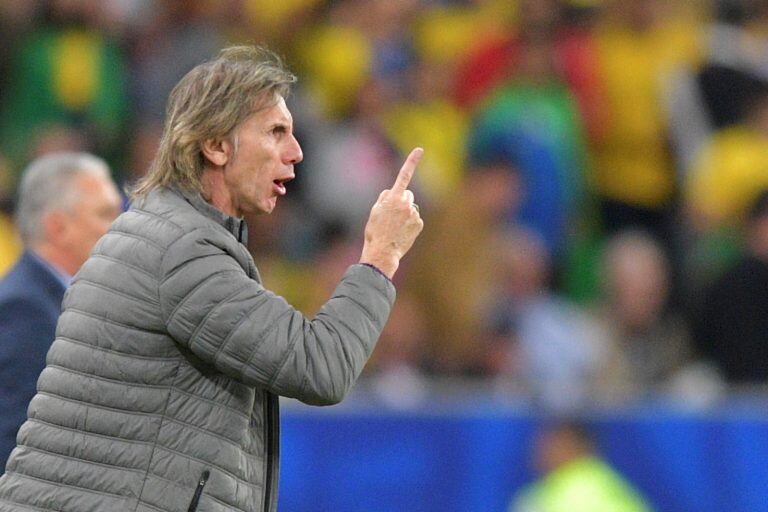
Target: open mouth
pixel 279 185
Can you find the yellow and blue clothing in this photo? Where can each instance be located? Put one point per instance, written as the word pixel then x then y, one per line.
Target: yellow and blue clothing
pixel 536 129
pixel 68 76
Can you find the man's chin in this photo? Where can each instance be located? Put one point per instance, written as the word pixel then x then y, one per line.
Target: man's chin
pixel 263 208
pixel 266 208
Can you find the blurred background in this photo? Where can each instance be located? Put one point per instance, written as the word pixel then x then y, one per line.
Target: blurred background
pixel 595 194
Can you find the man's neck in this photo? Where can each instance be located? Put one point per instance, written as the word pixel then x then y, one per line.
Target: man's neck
pixel 216 193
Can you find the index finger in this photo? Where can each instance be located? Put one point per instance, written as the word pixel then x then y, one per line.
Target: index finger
pixel 406 171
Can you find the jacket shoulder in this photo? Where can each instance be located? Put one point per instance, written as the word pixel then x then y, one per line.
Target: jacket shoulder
pixel 32 283
pixel 167 212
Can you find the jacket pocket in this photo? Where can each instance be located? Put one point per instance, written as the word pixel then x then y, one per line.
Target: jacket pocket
pixel 198 491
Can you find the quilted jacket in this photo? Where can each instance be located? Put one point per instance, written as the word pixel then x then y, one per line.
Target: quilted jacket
pixel 160 390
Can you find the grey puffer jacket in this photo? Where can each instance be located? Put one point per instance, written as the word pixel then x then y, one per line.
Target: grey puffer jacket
pixel 160 391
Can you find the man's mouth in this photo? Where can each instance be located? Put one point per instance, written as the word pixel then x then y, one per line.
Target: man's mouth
pixel 279 185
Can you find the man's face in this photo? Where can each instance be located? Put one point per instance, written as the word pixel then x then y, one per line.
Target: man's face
pixel 97 204
pixel 263 162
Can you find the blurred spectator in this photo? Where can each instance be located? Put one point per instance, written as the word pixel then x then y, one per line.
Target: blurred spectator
pixel 426 115
pixel 722 90
pixel 177 37
pixel 337 58
pixel 728 174
pixel 533 124
pixel 446 32
pixel 553 352
pixel 452 270
pixel 638 42
pixel 66 203
pixel 574 477
pixel 737 62
pixel 648 342
pixel 65 72
pixel 353 162
pixel 731 170
pixel 731 326
pixel 364 41
pixel 496 58
pixel 493 59
pixel 387 25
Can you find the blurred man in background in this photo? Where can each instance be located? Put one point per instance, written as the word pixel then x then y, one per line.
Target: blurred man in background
pixel 66 203
pixel 575 478
pixel 647 342
pixel 731 324
pixel 550 345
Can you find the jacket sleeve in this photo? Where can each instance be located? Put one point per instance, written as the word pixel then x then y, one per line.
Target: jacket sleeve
pixel 211 306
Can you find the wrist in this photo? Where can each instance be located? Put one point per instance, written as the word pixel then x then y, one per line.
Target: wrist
pixel 388 268
pixel 378 271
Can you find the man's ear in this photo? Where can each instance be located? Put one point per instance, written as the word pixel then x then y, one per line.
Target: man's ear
pixel 217 151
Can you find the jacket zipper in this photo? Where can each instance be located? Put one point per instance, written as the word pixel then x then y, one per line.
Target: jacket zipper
pixel 199 491
pixel 271 451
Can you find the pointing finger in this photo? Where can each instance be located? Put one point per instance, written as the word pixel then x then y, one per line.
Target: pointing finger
pixel 406 171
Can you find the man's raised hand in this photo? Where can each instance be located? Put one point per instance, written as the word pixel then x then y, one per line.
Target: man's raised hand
pixel 394 222
pixel 405 175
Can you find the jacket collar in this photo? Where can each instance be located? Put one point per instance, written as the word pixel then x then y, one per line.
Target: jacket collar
pixel 61 276
pixel 43 277
pixel 234 225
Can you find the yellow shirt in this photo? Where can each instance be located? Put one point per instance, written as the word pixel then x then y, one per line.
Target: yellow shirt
pixel 631 159
pixel 439 127
pixel 731 171
pixel 337 61
pixel 446 33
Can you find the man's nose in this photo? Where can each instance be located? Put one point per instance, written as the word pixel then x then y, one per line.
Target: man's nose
pixel 294 154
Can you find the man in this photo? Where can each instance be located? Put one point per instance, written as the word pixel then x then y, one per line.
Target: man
pixel 731 322
pixel 575 478
pixel 161 388
pixel 66 202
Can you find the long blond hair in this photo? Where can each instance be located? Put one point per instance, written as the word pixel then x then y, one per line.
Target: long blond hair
pixel 210 102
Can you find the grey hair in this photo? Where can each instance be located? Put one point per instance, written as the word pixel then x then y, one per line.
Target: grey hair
pixel 47 185
pixel 211 102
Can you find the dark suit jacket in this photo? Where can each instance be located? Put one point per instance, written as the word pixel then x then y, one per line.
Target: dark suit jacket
pixel 30 303
pixel 731 327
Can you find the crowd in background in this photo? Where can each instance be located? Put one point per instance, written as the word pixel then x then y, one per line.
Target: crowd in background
pixel 593 186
